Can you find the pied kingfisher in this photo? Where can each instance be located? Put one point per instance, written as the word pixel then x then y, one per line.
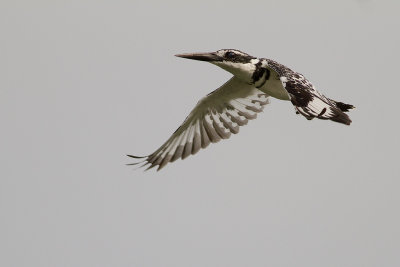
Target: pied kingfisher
pixel 222 111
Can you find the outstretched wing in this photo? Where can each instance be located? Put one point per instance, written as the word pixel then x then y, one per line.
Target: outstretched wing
pixel 215 117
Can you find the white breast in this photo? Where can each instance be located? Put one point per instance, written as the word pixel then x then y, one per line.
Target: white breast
pixel 274 87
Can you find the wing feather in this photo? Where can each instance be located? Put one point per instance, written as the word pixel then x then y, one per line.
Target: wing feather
pixel 228 123
pixel 196 138
pixel 214 118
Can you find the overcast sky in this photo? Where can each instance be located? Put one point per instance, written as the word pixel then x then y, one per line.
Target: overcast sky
pixel 83 83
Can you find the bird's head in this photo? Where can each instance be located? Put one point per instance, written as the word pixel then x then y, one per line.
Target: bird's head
pixel 236 62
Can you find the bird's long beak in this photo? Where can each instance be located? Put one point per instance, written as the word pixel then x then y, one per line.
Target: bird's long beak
pixel 201 56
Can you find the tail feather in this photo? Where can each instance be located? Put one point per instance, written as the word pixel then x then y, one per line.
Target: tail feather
pixel 343 107
pixel 340 116
pixel 326 113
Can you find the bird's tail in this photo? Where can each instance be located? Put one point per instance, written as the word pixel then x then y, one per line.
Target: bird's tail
pixel 342 106
pixel 325 109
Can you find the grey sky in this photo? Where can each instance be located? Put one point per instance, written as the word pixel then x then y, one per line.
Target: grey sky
pixel 82 83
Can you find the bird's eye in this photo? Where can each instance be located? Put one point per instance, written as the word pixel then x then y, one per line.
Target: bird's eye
pixel 229 54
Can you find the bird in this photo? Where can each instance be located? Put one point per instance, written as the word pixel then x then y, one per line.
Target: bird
pixel 220 113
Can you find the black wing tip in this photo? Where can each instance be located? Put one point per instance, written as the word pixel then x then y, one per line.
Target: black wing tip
pixel 132 164
pixel 144 160
pixel 137 157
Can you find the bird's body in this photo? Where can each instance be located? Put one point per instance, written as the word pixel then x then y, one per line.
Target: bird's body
pixel 271 83
pixel 222 111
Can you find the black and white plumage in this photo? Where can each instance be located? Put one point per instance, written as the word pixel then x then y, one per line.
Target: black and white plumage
pixel 223 111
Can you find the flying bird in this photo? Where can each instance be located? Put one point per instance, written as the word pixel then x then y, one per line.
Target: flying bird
pixel 221 113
